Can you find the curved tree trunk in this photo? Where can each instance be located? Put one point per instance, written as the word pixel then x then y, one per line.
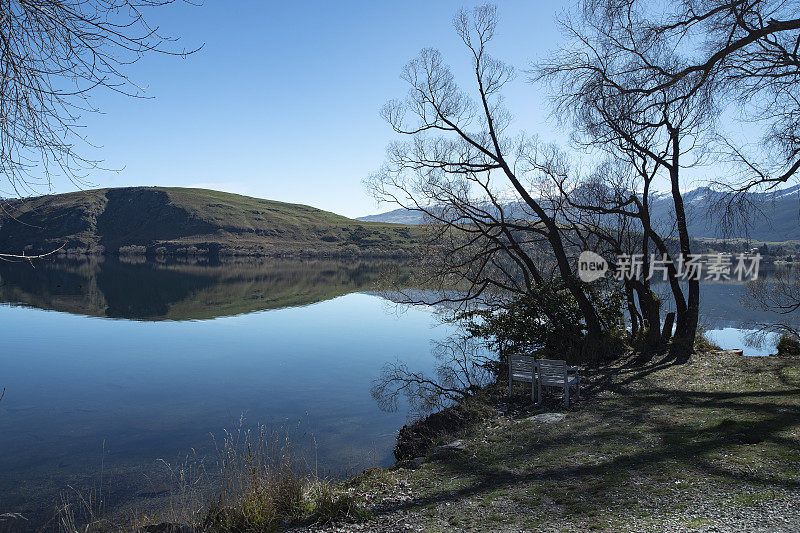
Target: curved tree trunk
pixel 594 326
pixel 687 319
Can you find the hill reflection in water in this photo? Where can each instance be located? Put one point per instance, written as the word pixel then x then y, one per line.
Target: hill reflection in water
pixel 153 291
pixel 132 370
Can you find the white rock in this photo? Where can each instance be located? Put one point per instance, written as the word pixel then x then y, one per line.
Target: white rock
pixel 547 418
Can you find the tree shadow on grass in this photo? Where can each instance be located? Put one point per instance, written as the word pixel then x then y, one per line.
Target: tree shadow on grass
pixel 676 444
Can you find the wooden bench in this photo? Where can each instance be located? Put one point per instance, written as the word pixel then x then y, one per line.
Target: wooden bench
pixel 555 373
pixel 543 373
pixel 522 368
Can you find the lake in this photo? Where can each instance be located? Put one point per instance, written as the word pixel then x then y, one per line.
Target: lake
pixel 112 366
pixel 118 365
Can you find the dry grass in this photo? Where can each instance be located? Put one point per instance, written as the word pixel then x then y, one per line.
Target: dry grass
pixel 262 482
pixel 83 511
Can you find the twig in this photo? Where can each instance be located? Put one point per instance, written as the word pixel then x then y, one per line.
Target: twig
pixel 29 258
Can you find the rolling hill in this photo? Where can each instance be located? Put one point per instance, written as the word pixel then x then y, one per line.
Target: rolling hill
pixel 777 219
pixel 171 220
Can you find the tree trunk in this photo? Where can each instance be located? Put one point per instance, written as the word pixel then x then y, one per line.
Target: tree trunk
pixel 633 312
pixel 686 328
pixel 651 312
pixel 594 326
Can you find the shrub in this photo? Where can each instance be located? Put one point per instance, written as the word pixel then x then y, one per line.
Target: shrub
pixel 788 346
pixel 548 320
pixel 132 250
pixel 262 481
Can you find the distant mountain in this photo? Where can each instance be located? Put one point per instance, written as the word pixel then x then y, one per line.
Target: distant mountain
pixel 397 216
pixel 172 220
pixel 777 218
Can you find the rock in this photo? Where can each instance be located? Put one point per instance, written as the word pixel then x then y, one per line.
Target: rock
pixel 416 439
pixel 547 418
pixel 455 446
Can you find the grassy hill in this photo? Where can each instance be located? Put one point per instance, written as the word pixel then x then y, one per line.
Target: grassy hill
pixel 173 220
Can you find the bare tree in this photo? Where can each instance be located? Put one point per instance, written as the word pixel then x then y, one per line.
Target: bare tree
pixel 610 80
pixel 606 216
pixel 633 93
pixel 53 55
pixel 741 52
pixel 460 168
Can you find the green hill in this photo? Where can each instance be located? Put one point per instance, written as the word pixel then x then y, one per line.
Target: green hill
pixel 178 221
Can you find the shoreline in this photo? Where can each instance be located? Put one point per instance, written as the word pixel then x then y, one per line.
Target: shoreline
pixel 652 446
pixel 660 447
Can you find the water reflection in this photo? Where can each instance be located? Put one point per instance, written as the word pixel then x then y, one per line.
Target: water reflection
pixel 191 348
pixel 193 353
pixel 727 321
pixel 142 290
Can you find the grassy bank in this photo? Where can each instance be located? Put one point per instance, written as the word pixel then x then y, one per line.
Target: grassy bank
pixel 655 446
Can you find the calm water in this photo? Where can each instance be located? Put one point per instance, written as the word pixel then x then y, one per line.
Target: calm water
pixel 120 365
pixel 146 361
pixel 727 322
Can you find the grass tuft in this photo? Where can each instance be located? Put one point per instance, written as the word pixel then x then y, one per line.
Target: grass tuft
pixel 261 480
pixel 330 502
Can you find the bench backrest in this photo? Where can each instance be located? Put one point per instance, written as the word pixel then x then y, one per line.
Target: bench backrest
pixel 552 368
pixel 521 363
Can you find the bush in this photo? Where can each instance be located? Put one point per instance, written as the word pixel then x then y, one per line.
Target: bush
pixel 548 320
pixel 702 344
pixel 132 250
pixel 788 346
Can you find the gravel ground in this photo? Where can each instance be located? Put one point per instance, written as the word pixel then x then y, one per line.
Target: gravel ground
pixel 781 515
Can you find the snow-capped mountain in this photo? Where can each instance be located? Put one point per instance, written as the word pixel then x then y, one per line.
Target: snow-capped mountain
pixel 776 217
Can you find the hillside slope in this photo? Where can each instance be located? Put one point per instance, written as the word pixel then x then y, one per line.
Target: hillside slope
pixel 172 220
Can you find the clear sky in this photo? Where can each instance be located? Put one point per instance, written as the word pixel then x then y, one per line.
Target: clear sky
pixel 282 102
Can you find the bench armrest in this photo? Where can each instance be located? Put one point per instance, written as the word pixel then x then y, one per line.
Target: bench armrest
pixel 572 368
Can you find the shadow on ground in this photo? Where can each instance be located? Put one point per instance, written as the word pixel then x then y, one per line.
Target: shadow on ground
pixel 649 439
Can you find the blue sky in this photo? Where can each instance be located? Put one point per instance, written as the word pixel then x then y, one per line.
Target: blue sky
pixel 282 102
